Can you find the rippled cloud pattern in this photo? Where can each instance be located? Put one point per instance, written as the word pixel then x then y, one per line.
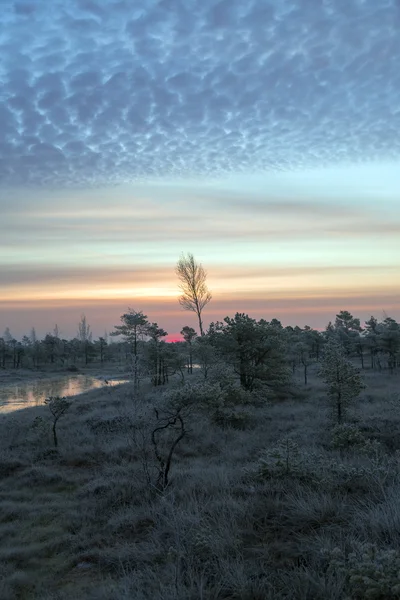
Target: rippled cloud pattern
pixel 100 93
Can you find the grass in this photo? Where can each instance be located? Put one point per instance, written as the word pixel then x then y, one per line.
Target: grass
pixel 269 509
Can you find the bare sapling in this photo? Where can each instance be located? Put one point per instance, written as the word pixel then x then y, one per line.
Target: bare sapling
pixel 58 407
pixel 172 422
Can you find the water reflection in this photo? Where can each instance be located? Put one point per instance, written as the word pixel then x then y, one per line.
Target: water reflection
pixel 33 393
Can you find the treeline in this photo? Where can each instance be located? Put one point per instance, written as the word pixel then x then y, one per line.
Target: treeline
pixel 32 352
pixel 258 350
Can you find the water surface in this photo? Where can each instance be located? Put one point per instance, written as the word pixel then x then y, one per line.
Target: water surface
pixel 25 394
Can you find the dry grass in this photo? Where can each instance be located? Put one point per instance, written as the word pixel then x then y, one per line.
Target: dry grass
pixel 235 522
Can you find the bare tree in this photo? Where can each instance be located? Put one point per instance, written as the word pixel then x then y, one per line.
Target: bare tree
pixel 195 293
pixel 84 333
pixel 85 336
pixel 58 407
pixel 174 422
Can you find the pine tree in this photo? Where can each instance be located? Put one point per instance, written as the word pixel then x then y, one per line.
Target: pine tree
pixel 342 378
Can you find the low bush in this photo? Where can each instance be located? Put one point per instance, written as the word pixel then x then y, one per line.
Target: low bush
pixel 372 573
pixel 231 418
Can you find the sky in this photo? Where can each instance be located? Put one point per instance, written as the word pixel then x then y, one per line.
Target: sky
pixel 262 136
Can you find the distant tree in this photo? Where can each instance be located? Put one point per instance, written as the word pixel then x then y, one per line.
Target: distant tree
pixel 360 344
pixel 205 354
pixel 85 337
pixel 19 354
pixel 7 335
pixel 27 342
pixel 9 347
pixel 156 353
pixel 276 323
pixel 189 335
pixel 3 352
pixel 389 341
pixel 35 347
pixel 345 320
pixel 174 359
pixel 102 345
pixel 84 333
pixel 74 348
pixel 329 331
pixel 371 338
pixel 314 340
pixel 293 339
pixel 13 344
pixel 342 378
pixel 195 293
pixel 63 351
pixel 348 329
pixel 303 352
pixel 134 327
pixel 372 324
pixel 50 343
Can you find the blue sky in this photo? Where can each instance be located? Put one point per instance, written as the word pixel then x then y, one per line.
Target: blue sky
pixel 262 136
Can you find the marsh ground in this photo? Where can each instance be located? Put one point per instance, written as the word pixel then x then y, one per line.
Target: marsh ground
pixel 264 507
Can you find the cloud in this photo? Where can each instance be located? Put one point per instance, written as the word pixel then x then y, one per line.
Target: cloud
pixel 96 93
pixel 242 284
pixel 24 8
pixel 49 274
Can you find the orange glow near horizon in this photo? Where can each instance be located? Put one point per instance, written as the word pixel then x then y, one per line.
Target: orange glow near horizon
pixel 312 308
pixel 223 281
pixel 299 259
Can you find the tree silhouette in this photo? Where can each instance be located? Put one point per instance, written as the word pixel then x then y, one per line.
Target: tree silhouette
pixel 195 293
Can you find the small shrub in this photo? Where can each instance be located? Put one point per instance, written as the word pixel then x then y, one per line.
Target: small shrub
pixel 111 425
pixel 9 466
pixel 235 419
pixel 346 436
pixel 209 396
pixel 371 573
pixel 190 395
pixel 40 425
pixel 287 459
pixel 203 543
pixel 39 432
pixel 233 395
pixel 371 448
pixel 394 400
pixel 283 459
